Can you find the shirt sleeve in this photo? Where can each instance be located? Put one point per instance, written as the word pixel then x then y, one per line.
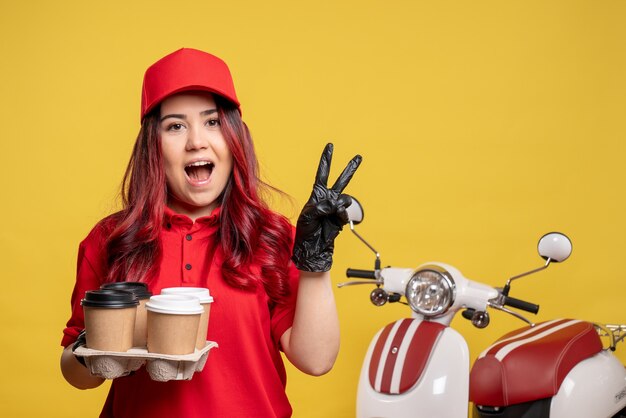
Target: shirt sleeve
pixel 283 314
pixel 89 276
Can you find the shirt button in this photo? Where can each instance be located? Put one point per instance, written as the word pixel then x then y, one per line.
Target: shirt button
pixel 188 266
pixel 188 237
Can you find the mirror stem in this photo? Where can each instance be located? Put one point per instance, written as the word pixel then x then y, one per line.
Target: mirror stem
pixel 377 262
pixel 507 287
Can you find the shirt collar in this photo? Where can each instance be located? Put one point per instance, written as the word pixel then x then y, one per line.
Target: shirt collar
pixel 173 218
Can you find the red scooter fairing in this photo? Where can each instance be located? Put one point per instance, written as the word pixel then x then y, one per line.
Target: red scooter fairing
pixel 401 353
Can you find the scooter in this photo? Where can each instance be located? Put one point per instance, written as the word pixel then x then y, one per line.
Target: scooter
pixel 420 367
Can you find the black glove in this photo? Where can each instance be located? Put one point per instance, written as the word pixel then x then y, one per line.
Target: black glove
pixel 80 341
pixel 323 216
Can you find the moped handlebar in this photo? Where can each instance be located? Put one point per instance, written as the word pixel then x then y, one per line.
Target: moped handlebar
pixel 521 304
pixel 363 274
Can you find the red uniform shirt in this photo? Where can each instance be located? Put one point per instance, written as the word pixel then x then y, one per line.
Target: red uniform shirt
pixel 244 377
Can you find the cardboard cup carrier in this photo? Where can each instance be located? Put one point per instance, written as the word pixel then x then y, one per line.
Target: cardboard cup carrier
pixel 205 300
pixel 140 290
pixel 109 319
pixel 173 323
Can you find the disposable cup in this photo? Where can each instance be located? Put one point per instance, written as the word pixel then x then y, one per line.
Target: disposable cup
pixel 173 323
pixel 140 290
pixel 206 299
pixel 109 319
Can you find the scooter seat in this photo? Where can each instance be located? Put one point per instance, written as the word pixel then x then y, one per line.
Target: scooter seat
pixel 531 363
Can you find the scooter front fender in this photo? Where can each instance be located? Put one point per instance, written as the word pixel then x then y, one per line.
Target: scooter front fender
pixel 442 388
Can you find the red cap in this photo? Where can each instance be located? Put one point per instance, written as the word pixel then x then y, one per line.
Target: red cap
pixel 185 70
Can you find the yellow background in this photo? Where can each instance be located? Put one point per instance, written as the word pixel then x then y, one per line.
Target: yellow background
pixel 483 125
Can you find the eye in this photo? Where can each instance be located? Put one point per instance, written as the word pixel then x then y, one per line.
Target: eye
pixel 175 127
pixel 213 122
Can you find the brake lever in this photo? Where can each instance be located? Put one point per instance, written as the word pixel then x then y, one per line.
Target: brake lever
pixel 500 307
pixel 355 282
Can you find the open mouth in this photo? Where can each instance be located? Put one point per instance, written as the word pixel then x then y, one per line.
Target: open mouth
pixel 199 171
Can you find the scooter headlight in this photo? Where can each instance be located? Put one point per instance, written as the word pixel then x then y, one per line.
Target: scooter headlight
pixel 430 291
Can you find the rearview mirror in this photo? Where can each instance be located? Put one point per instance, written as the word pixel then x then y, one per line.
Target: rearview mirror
pixel 555 246
pixel 355 212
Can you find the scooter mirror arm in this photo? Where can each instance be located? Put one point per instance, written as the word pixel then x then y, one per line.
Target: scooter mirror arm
pixel 377 262
pixel 507 287
pixel 496 305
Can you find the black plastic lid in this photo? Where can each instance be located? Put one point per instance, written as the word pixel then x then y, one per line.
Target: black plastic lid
pixel 107 298
pixel 138 289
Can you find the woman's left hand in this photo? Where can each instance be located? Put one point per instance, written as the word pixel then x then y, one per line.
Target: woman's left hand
pixel 323 216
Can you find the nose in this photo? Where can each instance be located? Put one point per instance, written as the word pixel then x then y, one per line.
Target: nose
pixel 196 137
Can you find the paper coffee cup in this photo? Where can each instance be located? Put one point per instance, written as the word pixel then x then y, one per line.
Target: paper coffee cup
pixel 206 299
pixel 173 323
pixel 109 319
pixel 140 290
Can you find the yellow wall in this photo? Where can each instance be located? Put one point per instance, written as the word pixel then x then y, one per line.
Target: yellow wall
pixel 483 124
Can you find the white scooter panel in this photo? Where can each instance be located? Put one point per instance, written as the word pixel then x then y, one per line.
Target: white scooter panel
pixel 596 387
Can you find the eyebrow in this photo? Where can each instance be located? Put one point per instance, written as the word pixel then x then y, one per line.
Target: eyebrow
pixel 182 116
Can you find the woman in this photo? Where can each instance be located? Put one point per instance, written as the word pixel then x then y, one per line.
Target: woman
pixel 193 216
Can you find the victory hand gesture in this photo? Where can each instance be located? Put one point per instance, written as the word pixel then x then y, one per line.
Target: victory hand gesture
pixel 323 216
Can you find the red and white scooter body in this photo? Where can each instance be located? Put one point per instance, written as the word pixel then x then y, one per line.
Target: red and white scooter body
pixel 418 367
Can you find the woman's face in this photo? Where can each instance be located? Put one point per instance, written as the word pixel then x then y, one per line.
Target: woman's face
pixel 196 157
